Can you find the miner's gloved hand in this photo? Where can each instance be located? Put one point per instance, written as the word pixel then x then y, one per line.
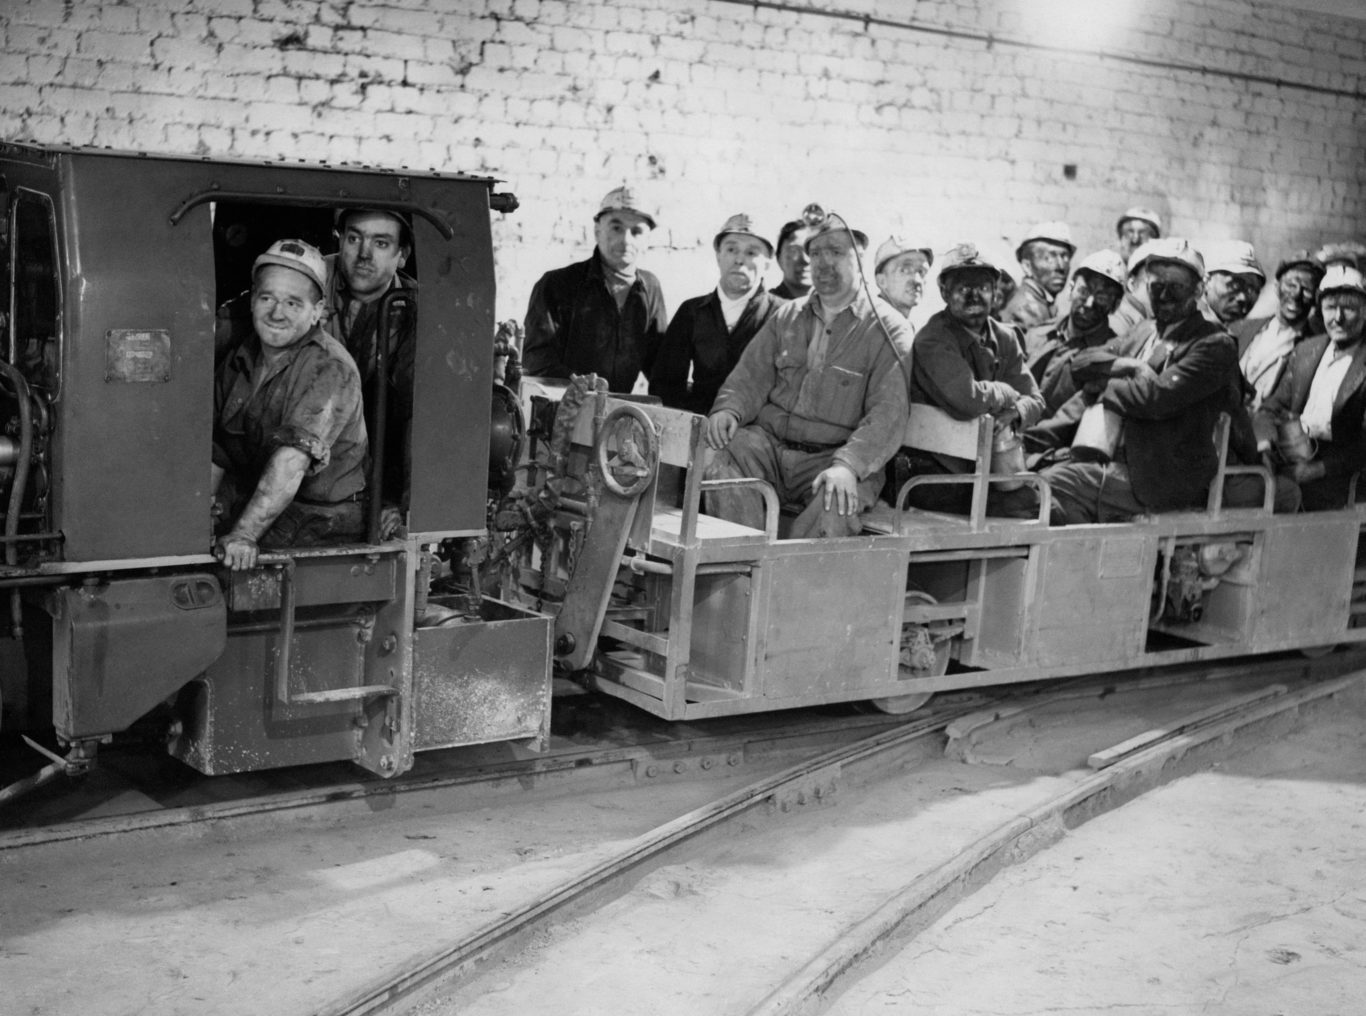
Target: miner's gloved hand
pixel 238 551
pixel 841 489
pixel 391 523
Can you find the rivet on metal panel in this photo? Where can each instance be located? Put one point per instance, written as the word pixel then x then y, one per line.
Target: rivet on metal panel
pixel 652 771
pixel 680 767
pixel 355 571
pixel 733 760
pixel 386 763
pixel 389 644
pixel 706 763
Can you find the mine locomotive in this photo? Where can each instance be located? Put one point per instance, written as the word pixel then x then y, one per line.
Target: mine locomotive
pixel 113 608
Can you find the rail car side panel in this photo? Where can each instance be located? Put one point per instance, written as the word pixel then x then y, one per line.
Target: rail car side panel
pixel 833 621
pixel 1304 588
pixel 1091 600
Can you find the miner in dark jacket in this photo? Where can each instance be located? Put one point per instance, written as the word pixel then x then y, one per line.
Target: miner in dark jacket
pixel 708 333
pixel 602 316
pixel 1173 376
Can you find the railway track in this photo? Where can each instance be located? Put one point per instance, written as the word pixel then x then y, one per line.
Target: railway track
pixel 641 826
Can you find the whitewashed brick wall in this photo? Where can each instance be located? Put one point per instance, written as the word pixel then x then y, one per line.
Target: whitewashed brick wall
pixel 716 107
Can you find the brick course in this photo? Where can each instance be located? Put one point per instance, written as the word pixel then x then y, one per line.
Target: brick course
pixel 714 107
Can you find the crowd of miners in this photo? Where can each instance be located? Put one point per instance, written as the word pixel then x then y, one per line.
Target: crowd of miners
pixel 1114 369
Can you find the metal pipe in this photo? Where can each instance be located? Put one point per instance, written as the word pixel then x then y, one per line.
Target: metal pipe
pixel 384 330
pixel 284 649
pixel 17 489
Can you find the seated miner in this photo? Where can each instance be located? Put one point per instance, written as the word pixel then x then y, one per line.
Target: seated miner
pixel 969 364
pixel 708 333
pixel 792 261
pixel 1233 281
pixel 1133 309
pixel 817 403
pixel 604 315
pixel 1045 257
pixel 1097 287
pixel 1169 381
pixel 900 270
pixel 1311 427
pixel 1265 343
pixel 289 441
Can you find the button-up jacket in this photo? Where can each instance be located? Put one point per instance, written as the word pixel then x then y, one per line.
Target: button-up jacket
pixel 1345 454
pixel 967 375
pixel 856 402
pixel 573 325
pixel 1169 414
pixel 698 338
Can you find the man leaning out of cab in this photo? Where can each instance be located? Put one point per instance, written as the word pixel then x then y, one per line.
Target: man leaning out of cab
pixel 289 441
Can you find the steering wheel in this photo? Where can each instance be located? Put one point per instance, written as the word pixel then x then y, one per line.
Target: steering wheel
pixel 627 450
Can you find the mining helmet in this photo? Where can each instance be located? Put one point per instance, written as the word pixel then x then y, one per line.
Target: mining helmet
pixel 894 246
pixel 1300 259
pixel 1342 279
pixel 1142 215
pixel 1050 232
pixel 962 257
pixel 624 199
pixel 1171 250
pixel 1106 264
pixel 299 255
pixel 1236 257
pixel 743 225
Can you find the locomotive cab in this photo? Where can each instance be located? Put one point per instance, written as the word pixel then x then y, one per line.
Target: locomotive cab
pixel 113 606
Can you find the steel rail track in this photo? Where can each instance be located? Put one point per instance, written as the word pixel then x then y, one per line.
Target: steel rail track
pixel 1135 767
pixel 809 782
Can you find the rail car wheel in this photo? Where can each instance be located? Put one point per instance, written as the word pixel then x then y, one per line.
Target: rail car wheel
pixel 1314 652
pixel 627 450
pixel 921 656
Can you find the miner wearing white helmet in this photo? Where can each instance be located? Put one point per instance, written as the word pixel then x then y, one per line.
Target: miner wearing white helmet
pixel 1045 256
pixel 1096 289
pixel 1324 389
pixel 1168 381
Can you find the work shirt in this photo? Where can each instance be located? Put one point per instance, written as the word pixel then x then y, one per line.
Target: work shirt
pixel 856 402
pixel 1030 306
pixel 356 325
pixel 1050 350
pixel 1127 315
pixel 1265 355
pixel 309 398
pixel 574 325
pixel 1317 416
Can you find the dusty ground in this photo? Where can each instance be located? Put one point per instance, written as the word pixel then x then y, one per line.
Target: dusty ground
pixel 716 935
pixel 1233 892
pixel 294 916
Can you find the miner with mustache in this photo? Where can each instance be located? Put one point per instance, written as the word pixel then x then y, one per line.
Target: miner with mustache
pixel 969 364
pixel 816 404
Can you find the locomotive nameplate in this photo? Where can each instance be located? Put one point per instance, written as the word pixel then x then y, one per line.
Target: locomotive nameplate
pixel 137 355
